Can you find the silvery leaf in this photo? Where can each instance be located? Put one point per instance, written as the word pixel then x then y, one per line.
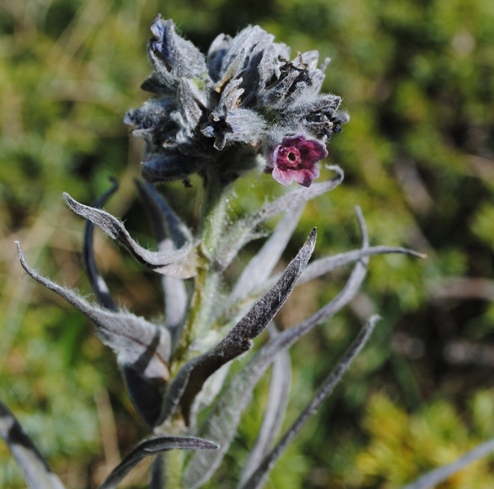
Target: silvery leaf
pixel 192 105
pixel 243 53
pixel 154 112
pixel 322 266
pixel 145 393
pixel 260 267
pixel 153 446
pixel 216 53
pixel 435 477
pixel 274 413
pixel 167 226
pixel 173 262
pixel 98 284
pixel 138 343
pixel 329 263
pixel 170 233
pixel 173 57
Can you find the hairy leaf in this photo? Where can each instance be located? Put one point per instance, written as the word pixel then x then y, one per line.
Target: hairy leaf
pixel 170 233
pixel 145 393
pixel 153 446
pixel 167 226
pixel 178 263
pixel 98 284
pixel 274 414
pixel 262 264
pixel 327 264
pixel 138 343
pixel 321 266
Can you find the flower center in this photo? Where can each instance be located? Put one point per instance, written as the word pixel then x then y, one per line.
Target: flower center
pixel 288 157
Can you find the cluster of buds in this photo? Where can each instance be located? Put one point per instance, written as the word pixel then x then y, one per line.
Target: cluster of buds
pixel 244 105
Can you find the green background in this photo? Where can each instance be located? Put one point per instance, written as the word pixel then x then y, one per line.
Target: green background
pixel 417 80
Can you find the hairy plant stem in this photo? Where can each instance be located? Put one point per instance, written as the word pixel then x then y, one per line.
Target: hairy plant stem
pixel 212 225
pixel 207 281
pixel 213 215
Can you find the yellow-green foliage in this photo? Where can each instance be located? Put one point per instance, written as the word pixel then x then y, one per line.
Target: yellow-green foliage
pixel 404 446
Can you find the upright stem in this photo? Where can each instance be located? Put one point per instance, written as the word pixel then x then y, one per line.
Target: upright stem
pixel 207 281
pixel 212 227
pixel 213 215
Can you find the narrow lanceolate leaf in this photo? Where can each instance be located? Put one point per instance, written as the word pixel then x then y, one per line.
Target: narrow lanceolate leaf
pixel 153 446
pixel 98 284
pixel 257 478
pixel 36 472
pixel 245 229
pixel 329 263
pixel 435 477
pixel 260 267
pixel 191 377
pixel 322 266
pixel 170 233
pixel 222 423
pixel 138 343
pixel 296 198
pixel 274 414
pixel 178 263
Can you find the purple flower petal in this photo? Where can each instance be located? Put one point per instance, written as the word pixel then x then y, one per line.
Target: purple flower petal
pixel 295 159
pixel 305 177
pixel 283 177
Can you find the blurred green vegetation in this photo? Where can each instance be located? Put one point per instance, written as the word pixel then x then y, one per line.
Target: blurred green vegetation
pixel 418 81
pixel 433 436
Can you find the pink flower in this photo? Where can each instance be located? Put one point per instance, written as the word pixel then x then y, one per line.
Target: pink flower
pixel 295 159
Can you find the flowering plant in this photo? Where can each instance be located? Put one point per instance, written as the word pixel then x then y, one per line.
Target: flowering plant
pixel 242 107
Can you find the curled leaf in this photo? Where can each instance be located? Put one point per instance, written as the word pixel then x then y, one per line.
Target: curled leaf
pixel 145 393
pixel 138 343
pixel 98 284
pixel 178 263
pixel 168 228
pixel 170 233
